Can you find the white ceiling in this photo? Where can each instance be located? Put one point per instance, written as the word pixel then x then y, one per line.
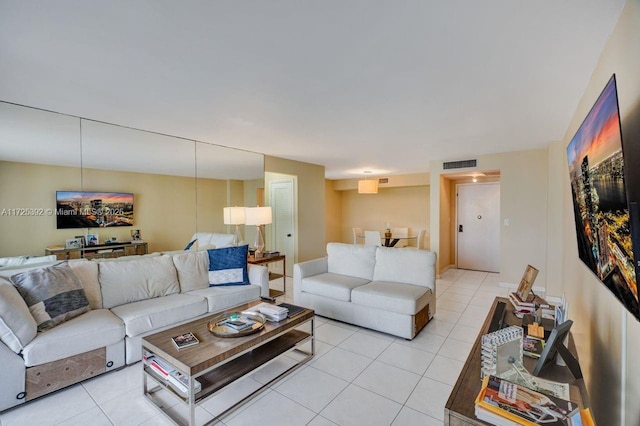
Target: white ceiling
pixel 352 85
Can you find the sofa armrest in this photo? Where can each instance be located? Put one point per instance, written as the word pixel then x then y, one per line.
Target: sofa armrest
pixel 307 269
pixel 259 275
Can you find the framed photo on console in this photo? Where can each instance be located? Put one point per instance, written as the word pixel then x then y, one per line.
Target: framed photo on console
pixel 92 239
pixel 526 283
pixel 74 243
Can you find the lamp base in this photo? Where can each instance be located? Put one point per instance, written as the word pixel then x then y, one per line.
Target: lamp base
pixel 259 243
pixel 237 237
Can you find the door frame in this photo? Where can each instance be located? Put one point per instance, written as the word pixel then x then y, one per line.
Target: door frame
pixel 455 226
pixel 294 203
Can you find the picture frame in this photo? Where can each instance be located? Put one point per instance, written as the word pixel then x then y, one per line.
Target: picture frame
pixel 81 238
pixel 555 345
pixel 92 240
pixel 135 235
pixel 526 283
pixel 74 243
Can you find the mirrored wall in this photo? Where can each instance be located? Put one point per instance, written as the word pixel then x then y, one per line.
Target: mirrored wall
pixel 179 186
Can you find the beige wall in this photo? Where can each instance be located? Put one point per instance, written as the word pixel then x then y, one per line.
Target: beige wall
pixel 401 207
pixel 333 212
pixel 523 200
pixel 25 185
pixel 608 338
pixel 310 195
pixel 165 206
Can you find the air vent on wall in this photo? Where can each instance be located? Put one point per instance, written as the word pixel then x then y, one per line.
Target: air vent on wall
pixel 462 164
pixel 383 180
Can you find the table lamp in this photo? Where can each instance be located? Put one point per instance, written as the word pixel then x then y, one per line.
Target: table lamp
pixel 258 216
pixel 234 216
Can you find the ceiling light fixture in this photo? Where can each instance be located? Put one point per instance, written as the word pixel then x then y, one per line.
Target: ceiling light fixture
pixel 367 186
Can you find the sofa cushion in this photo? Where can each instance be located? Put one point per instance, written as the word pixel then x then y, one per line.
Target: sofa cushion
pixel 137 279
pixel 151 314
pixel 125 258
pixel 193 270
pixel 21 261
pixel 92 330
pixel 54 294
pixel 228 266
pixel 405 299
pixel 220 298
pixel 87 272
pixel 352 260
pixel 211 238
pixel 405 266
pixel 17 326
pixel 331 285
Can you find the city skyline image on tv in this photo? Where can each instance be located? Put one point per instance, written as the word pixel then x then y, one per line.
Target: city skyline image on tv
pixel 596 167
pixel 81 209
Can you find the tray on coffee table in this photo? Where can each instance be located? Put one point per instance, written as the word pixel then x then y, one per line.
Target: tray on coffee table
pixel 220 326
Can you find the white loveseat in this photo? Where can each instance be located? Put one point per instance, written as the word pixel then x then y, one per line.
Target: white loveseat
pixel 129 297
pixel 386 289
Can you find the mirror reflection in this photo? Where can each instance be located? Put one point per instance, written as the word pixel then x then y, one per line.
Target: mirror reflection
pixel 180 186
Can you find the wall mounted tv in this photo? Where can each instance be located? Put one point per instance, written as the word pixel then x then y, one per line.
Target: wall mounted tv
pixel 600 203
pixel 79 209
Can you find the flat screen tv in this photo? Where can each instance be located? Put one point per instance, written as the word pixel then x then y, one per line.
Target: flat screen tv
pixel 600 203
pixel 80 209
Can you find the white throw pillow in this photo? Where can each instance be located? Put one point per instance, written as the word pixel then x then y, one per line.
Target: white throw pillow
pixel 87 272
pixel 17 325
pixel 193 270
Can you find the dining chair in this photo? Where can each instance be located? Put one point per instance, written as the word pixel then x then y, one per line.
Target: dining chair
pixel 372 238
pixel 400 232
pixel 356 233
pixel 421 235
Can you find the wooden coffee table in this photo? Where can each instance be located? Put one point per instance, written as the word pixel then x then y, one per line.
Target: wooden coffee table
pixel 217 361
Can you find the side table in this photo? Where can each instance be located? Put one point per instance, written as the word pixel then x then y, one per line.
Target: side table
pixel 266 260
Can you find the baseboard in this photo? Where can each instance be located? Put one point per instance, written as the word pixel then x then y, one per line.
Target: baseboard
pixel 445 269
pixel 511 286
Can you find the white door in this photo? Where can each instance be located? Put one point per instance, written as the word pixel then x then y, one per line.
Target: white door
pixel 282 228
pixel 478 226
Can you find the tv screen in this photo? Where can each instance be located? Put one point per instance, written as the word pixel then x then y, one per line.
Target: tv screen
pixel 78 209
pixel 601 209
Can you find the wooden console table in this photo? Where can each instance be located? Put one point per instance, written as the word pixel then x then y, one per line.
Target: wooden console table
pixel 460 408
pixel 99 251
pixel 266 260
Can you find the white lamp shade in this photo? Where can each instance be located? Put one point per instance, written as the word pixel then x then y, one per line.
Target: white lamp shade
pixel 367 187
pixel 257 215
pixel 233 215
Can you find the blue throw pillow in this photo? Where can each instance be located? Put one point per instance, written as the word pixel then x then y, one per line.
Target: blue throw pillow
pixel 228 266
pixel 190 244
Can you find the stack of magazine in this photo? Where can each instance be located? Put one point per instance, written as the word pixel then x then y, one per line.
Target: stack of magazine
pixel 174 378
pixel 272 312
pixel 504 403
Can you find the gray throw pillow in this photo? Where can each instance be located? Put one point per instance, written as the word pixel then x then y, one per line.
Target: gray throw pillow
pixel 54 294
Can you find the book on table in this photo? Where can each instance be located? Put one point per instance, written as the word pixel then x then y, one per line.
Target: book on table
pixel 293 309
pixel 240 323
pixel 184 340
pixel 524 406
pixel 271 312
pixel 532 346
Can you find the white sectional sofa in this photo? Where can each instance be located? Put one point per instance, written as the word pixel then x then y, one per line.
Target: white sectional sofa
pixel 129 297
pixel 386 289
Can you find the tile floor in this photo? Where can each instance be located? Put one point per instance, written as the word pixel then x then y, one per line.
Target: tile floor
pixel 358 376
